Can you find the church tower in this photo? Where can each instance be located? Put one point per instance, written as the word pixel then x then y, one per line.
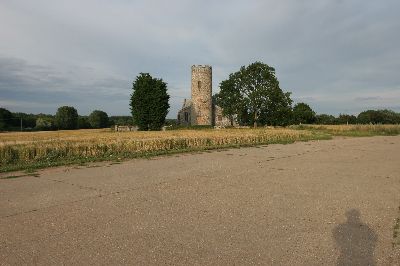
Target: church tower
pixel 201 112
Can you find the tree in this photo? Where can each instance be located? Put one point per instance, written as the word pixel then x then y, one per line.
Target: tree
pixel 66 118
pixel 98 119
pixel 278 110
pixel 390 117
pixel 303 114
pixel 83 122
pixel 254 90
pixel 230 98
pixel 370 117
pixel 43 123
pixel 324 119
pixel 121 120
pixel 6 119
pixel 149 102
pixel 28 120
pixel 378 117
pixel 346 119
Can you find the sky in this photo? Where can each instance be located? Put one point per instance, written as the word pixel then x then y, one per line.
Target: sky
pixel 339 56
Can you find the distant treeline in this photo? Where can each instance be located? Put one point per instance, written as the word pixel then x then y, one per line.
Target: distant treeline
pixel 366 117
pixel 98 119
pixel 34 122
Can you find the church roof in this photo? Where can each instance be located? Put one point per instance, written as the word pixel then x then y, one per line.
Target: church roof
pixel 186 103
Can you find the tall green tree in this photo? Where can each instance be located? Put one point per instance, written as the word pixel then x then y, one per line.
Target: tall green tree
pixel 254 90
pixel 303 114
pixel 230 99
pixel 66 118
pixel 98 119
pixel 149 102
pixel 278 109
pixel 6 119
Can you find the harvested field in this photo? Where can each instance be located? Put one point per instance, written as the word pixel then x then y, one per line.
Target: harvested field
pixel 43 149
pixel 21 150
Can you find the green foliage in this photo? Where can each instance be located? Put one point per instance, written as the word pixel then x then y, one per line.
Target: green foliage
pixel 303 114
pixel 171 122
pixel 6 119
pixel 44 123
pixel 149 102
pixel 66 118
pixel 278 110
pixel 121 120
pixel 324 119
pixel 98 119
pixel 83 122
pixel 28 120
pixel 253 94
pixel 230 98
pixel 346 119
pixel 378 117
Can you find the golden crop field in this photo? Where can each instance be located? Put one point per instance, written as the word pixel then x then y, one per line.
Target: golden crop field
pixel 54 147
pixel 354 130
pixel 20 150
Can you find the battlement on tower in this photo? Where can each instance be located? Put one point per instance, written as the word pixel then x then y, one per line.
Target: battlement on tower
pixel 202 68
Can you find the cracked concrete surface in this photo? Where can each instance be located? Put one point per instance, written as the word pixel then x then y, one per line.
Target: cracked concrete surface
pixel 269 205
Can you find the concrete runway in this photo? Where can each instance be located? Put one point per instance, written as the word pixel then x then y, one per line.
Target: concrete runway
pixel 329 202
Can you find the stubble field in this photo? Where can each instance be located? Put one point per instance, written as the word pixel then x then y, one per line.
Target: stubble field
pixel 42 149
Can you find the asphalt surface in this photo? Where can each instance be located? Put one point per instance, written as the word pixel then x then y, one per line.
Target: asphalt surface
pixel 312 203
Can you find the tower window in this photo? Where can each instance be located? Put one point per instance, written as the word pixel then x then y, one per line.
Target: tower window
pixel 199 84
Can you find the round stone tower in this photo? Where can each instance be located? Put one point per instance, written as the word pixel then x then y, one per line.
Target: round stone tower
pixel 201 112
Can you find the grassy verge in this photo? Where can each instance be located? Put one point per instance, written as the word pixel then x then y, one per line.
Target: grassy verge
pixel 353 130
pixel 41 154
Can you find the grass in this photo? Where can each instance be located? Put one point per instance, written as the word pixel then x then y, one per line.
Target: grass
pixel 33 150
pixel 396 231
pixel 353 130
pixel 45 149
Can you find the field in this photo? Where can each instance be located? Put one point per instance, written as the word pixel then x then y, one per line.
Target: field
pixel 42 149
pixel 354 130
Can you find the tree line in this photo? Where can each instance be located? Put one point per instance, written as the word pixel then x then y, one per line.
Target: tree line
pixel 66 117
pixel 250 96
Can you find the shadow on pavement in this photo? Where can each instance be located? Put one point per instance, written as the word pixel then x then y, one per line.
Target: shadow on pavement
pixel 356 241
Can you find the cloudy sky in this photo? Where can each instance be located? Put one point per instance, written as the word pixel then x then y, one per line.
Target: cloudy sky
pixel 338 56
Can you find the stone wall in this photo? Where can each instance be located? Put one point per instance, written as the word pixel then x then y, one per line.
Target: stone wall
pixel 184 116
pixel 125 128
pixel 201 111
pixel 219 119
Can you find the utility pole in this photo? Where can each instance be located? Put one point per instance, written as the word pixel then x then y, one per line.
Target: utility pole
pixel 21 123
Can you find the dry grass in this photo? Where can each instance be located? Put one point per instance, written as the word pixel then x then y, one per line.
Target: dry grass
pixel 52 148
pixel 40 149
pixel 354 130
